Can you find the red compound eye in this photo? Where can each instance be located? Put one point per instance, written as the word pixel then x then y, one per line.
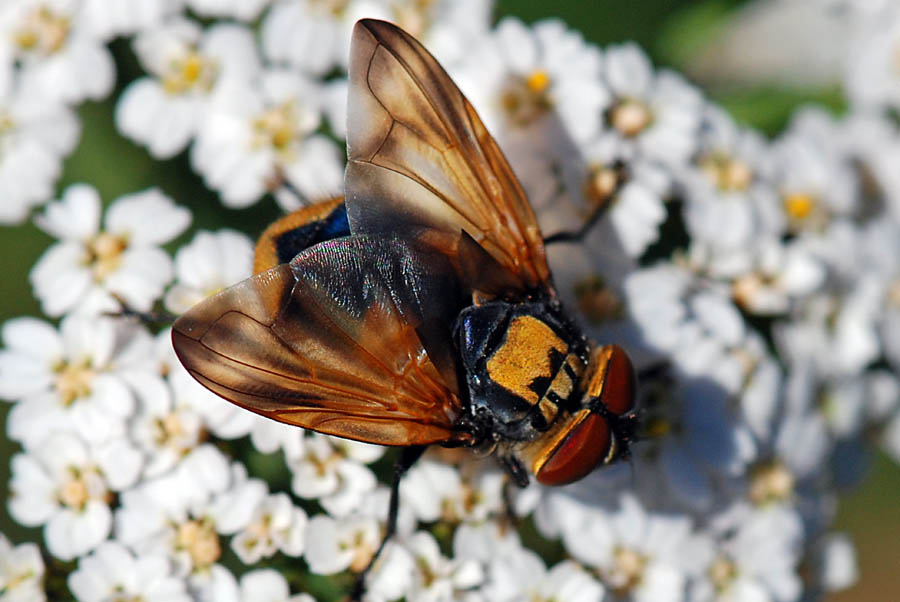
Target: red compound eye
pixel 585 447
pixel 617 393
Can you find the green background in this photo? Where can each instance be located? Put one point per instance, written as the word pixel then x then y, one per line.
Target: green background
pixel 669 30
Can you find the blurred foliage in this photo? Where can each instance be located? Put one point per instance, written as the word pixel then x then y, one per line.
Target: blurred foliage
pixel 671 31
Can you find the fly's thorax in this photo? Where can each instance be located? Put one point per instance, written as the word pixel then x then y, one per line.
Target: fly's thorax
pixel 523 364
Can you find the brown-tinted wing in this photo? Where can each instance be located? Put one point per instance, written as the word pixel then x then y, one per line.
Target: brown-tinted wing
pixel 420 156
pixel 351 338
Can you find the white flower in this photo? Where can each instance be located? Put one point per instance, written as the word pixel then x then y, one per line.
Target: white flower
pixel 170 515
pixel 815 182
pixel 633 192
pixel 268 436
pixel 125 17
pixel 838 333
pixel 60 56
pixel 772 277
pixel 36 133
pixel 437 578
pixel 258 134
pixel 447 28
pixel 391 574
pixel 21 572
pixel 755 557
pixel 314 36
pixel 220 417
pixel 261 585
pixel 519 76
pixel 243 10
pixel 730 202
pixel 90 267
pixel 872 78
pixel 654 115
pixel 186 66
pixel 690 319
pixel 72 380
pixel 520 574
pixel 873 142
pixel 438 491
pixel 566 581
pixel 112 573
pixel 208 264
pixel 334 545
pixel 233 509
pixel 645 555
pixel 277 525
pixel 837 568
pixel 165 432
pixel 65 486
pixel 333 471
pixel 706 441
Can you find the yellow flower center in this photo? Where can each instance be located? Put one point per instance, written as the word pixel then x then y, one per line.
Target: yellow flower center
pixel 525 99
pixel 893 294
pixel 104 254
pixel 43 32
pixel 538 81
pixel 190 72
pixel 722 572
pixel 630 117
pixel 7 123
pixel 277 128
pixel 727 173
pixel 169 430
pixel 200 540
pixel 363 551
pixel 799 206
pixel 73 381
pixel 412 16
pixel 600 185
pixel 324 465
pixel 74 493
pixel 748 287
pixel 258 531
pixel 627 571
pixel 335 8
pixel 770 482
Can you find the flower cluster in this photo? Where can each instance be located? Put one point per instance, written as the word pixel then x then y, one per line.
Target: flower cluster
pixel 765 324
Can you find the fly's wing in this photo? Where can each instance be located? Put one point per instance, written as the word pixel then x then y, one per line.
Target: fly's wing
pixel 351 338
pixel 419 156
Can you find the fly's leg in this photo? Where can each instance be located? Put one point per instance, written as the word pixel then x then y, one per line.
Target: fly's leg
pixel 147 318
pixel 408 456
pixel 619 176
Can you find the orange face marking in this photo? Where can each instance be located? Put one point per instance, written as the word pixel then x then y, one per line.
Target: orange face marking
pixel 524 356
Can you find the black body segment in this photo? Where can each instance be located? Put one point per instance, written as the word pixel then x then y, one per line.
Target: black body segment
pixel 299 230
pixel 331 226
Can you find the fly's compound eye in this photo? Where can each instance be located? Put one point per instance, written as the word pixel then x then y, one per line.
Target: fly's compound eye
pixel 611 380
pixel 587 445
pixel 591 437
